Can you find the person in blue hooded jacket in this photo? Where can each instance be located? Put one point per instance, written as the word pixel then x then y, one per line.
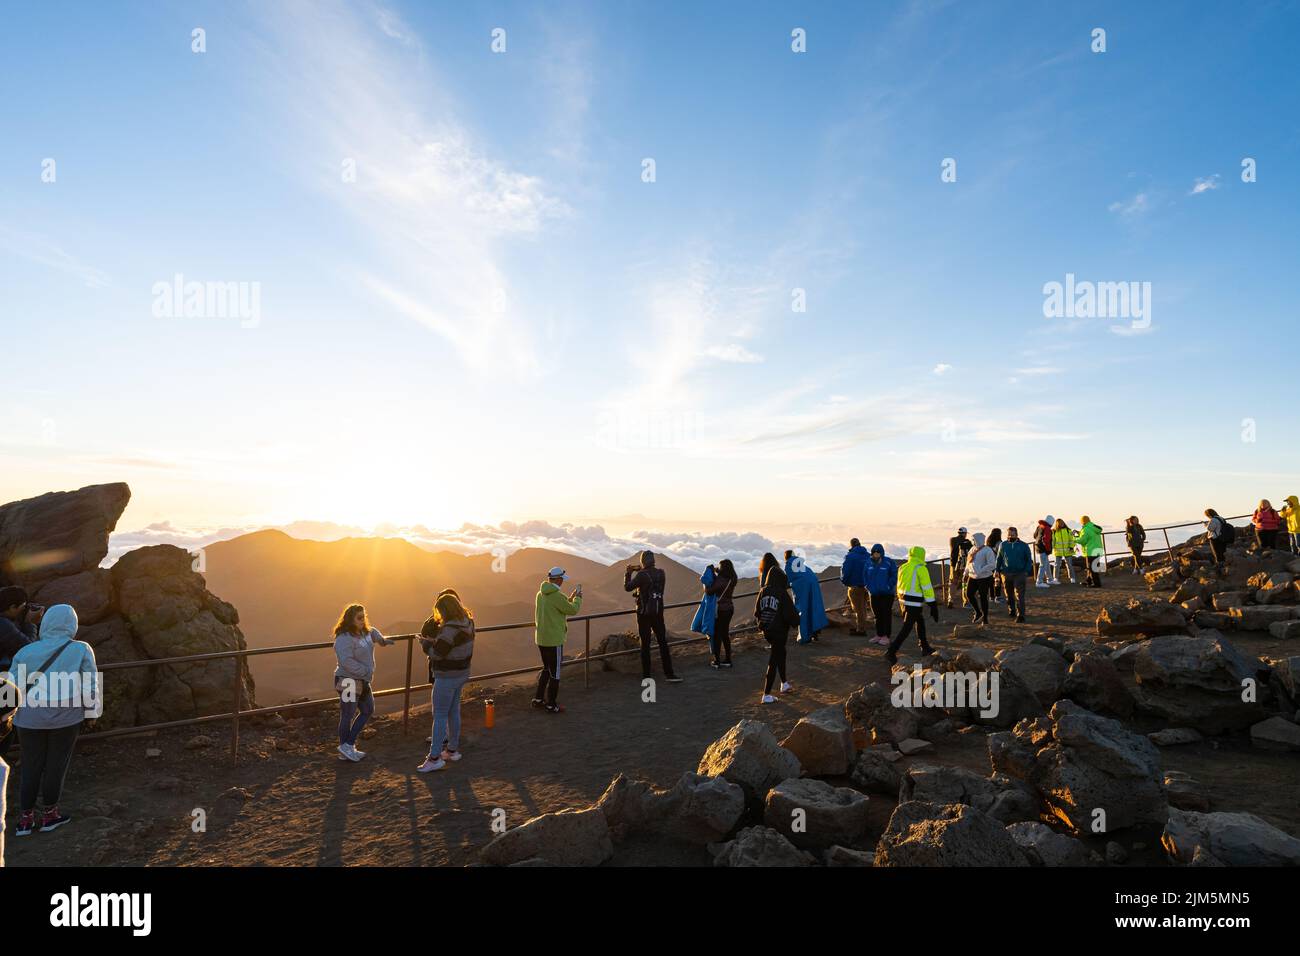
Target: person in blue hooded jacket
pixel 880 576
pixel 807 598
pixel 707 612
pixel 851 576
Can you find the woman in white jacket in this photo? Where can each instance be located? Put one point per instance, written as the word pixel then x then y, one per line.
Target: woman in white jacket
pixel 980 566
pixel 354 650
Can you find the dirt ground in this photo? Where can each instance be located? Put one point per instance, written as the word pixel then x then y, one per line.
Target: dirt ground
pixel 290 800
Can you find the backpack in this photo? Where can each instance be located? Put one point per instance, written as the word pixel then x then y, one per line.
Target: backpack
pixel 1044 538
pixel 650 599
pixel 1227 533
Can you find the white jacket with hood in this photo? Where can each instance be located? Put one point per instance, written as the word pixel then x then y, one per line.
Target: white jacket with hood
pixel 68 690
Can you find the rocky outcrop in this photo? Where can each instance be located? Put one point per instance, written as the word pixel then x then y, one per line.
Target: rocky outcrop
pixel 696 810
pixel 151 604
pixel 928 834
pixel 1231 839
pixel 1196 682
pixel 1093 681
pixel 1043 846
pixel 1089 771
pixel 823 742
pixel 761 846
pixel 1141 616
pixel 1039 668
pixel 567 838
pixel 749 756
pixel 1001 797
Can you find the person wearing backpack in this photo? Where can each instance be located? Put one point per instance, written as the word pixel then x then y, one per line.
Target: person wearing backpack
pixel 1043 551
pixel 647 582
pixel 1220 535
pixel 915 591
pixel 775 613
pixel 1063 551
pixel 1266 522
pixel 53 666
pixel 958 548
pixel 1136 537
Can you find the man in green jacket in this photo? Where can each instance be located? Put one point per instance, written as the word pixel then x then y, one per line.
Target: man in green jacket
pixel 1092 543
pixel 551 614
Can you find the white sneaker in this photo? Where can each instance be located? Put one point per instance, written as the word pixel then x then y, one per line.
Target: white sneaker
pixel 452 755
pixel 1042 585
pixel 343 752
pixel 787 687
pixel 769 699
pixel 431 764
pixel 354 754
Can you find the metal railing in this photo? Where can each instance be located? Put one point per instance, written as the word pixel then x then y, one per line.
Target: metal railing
pixel 238 711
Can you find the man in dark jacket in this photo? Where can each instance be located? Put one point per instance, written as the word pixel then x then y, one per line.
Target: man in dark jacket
pixel 18 624
pixel 881 577
pixel 958 548
pixel 1015 564
pixel 648 582
pixel 851 571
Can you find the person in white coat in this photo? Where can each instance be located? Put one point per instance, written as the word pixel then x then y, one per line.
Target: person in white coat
pixel 981 564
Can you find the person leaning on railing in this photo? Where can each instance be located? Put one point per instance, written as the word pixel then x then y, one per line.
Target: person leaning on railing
pixel 354 651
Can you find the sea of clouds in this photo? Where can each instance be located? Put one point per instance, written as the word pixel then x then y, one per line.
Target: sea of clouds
pixel 693 549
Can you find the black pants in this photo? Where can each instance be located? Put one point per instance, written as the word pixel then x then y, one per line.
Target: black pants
pixel 1136 551
pixel 979 590
pixel 882 606
pixel 1094 576
pixel 46 755
pixel 912 617
pixel 548 681
pixel 1268 539
pixel 646 625
pixel 776 641
pixel 720 642
pixel 1218 547
pixel 1014 585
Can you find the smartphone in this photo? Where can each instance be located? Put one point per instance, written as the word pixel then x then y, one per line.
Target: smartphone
pixel 35 608
pixel 578 589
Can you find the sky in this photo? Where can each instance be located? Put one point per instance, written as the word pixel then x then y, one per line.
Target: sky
pixel 647 267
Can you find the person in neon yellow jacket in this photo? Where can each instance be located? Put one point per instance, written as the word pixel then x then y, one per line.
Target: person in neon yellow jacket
pixel 915 591
pixel 1092 543
pixel 1292 515
pixel 1063 551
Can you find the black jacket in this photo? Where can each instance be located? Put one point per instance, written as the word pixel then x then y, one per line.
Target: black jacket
pixel 774 609
pixel 723 588
pixel 12 638
pixel 648 583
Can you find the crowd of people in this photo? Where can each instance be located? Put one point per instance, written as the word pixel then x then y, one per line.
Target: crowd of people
pixel 39 649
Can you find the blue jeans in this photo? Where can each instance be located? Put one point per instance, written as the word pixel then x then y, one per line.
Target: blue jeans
pixel 446 712
pixel 353 714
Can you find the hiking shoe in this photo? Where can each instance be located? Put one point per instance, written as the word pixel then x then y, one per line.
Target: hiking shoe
pixel 555 708
pixel 787 687
pixel 53 819
pixel 431 764
pixel 345 751
pixel 354 754
pixel 537 703
pixel 768 699
pixel 452 755
pixel 26 823
pixel 673 679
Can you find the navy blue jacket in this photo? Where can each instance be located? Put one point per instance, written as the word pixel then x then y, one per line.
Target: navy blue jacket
pixel 880 578
pixel 13 638
pixel 852 572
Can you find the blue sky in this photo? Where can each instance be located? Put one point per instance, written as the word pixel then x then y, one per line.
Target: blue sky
pixel 500 320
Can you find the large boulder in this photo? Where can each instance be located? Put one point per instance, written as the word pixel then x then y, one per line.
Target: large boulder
pixel 1276 733
pixel 815 815
pixel 1043 846
pixel 567 838
pixel 1257 618
pixel 1233 839
pixel 871 709
pixel 761 846
pixel 1196 682
pixel 875 770
pixel 1088 771
pixel 928 834
pixel 620 643
pixel 1039 668
pixel 1001 797
pixel 58 534
pixel 90 592
pixel 1141 615
pixel 823 742
pixel 171 613
pixel 748 755
pixel 696 810
pixel 1093 682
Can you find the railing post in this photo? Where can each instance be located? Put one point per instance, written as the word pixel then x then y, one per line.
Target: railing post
pixel 406 696
pixel 1170 549
pixel 586 660
pixel 234 723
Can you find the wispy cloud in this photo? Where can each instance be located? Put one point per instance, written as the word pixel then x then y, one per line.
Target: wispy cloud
pixel 1204 184
pixel 943 368
pixel 45 251
pixel 1135 207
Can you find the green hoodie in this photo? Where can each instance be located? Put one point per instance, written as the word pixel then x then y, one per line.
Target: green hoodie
pixel 1089 538
pixel 551 613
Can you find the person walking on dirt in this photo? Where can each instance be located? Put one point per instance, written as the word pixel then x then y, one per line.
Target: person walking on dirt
pixel 915 592
pixel 853 576
pixel 1015 565
pixel 1136 538
pixel 647 582
pixel 881 577
pixel 775 612
pixel 551 613
pixel 958 547
pixel 981 566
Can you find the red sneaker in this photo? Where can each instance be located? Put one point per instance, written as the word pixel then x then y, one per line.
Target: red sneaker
pixel 26 823
pixel 53 819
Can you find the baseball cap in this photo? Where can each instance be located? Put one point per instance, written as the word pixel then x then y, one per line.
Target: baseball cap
pixel 961 530
pixel 558 572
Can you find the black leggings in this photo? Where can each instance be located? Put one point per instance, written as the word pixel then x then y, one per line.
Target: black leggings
pixel 548 681
pixel 648 624
pixel 978 593
pixel 882 606
pixel 912 616
pixel 1268 539
pixel 46 755
pixel 720 642
pixel 775 657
